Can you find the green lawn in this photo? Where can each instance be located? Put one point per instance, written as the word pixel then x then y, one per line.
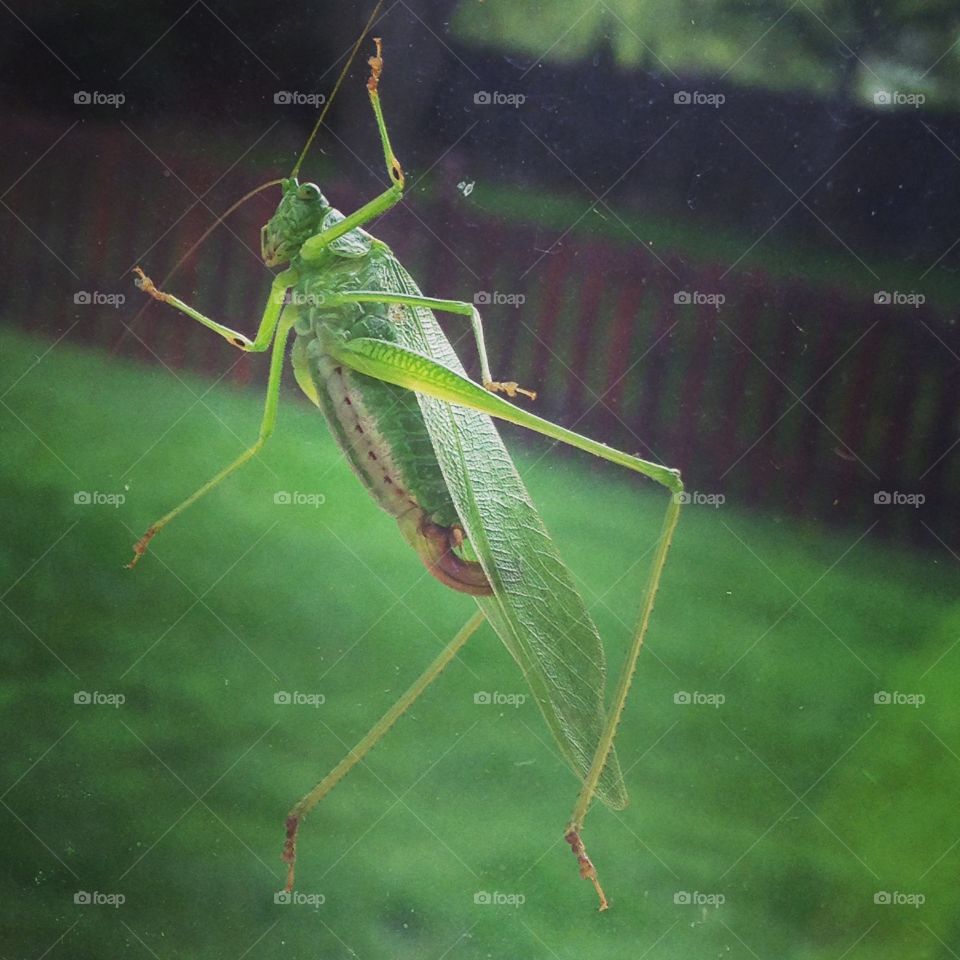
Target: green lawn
pixel 796 800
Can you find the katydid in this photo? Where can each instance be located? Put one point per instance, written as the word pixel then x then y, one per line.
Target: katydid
pixel 417 432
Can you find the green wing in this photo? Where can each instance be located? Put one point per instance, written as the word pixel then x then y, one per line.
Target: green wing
pixel 535 608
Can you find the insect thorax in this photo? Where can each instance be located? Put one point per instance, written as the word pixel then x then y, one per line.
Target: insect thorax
pixel 322 283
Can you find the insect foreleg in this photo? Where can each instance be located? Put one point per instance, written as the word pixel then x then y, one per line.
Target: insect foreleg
pixel 315 246
pixel 283 327
pixel 373 88
pixel 268 322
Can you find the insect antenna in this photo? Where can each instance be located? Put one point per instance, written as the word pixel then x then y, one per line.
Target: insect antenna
pixel 216 223
pixel 336 87
pixel 296 167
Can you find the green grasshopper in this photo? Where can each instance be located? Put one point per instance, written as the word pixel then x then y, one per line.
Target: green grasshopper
pixel 417 432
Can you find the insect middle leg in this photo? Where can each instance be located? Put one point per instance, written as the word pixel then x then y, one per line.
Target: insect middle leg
pixel 510 387
pixel 280 332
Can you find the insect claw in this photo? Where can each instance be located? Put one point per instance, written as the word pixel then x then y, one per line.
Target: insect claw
pixel 289 855
pixel 511 388
pixel 376 67
pixel 145 284
pixel 140 547
pixel 587 870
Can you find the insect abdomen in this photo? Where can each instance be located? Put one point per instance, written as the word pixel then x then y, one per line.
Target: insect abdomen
pixel 380 429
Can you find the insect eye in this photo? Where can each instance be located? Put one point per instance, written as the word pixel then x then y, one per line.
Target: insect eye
pixel 308 191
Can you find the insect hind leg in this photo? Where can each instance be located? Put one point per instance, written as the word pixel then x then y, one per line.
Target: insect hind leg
pixel 459 307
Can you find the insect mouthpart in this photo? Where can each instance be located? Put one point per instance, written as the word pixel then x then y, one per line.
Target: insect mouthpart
pixel 271 248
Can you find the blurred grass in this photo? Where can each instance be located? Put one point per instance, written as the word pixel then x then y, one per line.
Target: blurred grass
pixel 796 800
